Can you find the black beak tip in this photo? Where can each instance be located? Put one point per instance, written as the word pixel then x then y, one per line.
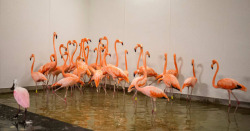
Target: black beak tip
pixel 66 49
pixel 192 64
pixel 102 50
pixel 212 68
pixel 122 43
pixel 149 56
pixel 127 52
pixel 87 42
pixel 99 40
pixel 110 55
pixel 134 74
pixel 73 44
pixel 94 51
pixel 135 50
pixel 90 40
pixel 30 59
pixel 61 56
pixel 54 60
pixel 56 36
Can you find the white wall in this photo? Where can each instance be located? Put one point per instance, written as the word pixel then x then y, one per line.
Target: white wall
pixel 27 27
pixel 199 29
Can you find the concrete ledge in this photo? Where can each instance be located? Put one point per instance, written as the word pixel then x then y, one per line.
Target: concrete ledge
pixel 176 95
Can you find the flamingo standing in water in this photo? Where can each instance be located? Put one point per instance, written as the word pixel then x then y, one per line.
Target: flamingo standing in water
pixel 58 69
pixel 36 76
pixel 126 71
pixel 68 81
pixel 171 71
pixel 22 97
pixel 150 91
pixel 49 67
pixel 169 79
pixel 190 82
pixel 227 84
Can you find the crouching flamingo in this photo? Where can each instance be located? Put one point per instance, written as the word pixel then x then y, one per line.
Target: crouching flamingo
pixel 22 97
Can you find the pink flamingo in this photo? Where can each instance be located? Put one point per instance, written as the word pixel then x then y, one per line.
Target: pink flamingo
pixel 150 91
pixel 73 65
pixel 169 79
pixel 190 82
pixel 126 71
pixel 49 67
pixel 68 81
pixel 22 97
pixel 58 69
pixel 117 59
pixel 36 76
pixel 227 84
pixel 150 71
pixel 171 71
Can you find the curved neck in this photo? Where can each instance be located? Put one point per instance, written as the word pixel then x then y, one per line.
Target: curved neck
pixel 104 58
pixel 83 48
pixel 116 55
pixel 64 66
pixel 80 49
pixel 97 52
pixel 32 65
pixel 54 50
pixel 68 56
pixel 193 70
pixel 175 64
pixel 73 54
pixel 51 58
pixel 215 86
pixel 126 62
pixel 141 51
pixel 100 53
pixel 60 50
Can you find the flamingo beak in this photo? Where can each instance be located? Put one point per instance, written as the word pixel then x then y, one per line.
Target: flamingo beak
pixel 30 59
pixel 94 51
pixel 134 74
pixel 56 36
pixel 73 44
pixel 87 42
pixel 135 50
pixel 110 55
pixel 61 56
pixel 212 68
pixel 54 60
pixel 90 40
pixel 127 52
pixel 102 50
pixel 148 56
pixel 102 45
pixel 192 64
pixel 122 43
pixel 99 40
pixel 66 49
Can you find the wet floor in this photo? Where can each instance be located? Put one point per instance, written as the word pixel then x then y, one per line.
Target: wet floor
pixel 96 111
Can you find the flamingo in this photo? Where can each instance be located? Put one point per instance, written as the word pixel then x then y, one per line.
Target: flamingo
pixel 51 57
pixel 36 76
pixel 190 82
pixel 169 79
pixel 94 65
pixel 73 65
pixel 87 48
pixel 22 97
pixel 68 81
pixel 63 71
pixel 126 72
pixel 171 71
pixel 67 67
pixel 105 38
pixel 150 71
pixel 114 71
pixel 58 69
pixel 150 91
pixel 49 67
pixel 227 84
pixel 117 41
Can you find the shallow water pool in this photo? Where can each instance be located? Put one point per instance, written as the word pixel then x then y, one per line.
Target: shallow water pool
pixel 98 111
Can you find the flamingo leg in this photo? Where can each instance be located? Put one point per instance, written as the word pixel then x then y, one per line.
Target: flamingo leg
pixel 237 102
pixel 191 93
pixel 152 105
pixel 135 96
pixel 187 93
pixel 36 87
pixel 66 94
pixel 57 89
pixel 25 112
pixel 123 87
pixel 229 100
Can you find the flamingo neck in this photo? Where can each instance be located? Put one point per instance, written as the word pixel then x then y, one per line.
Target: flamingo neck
pixel 83 48
pixel 215 86
pixel 175 64
pixel 64 66
pixel 141 51
pixel 117 61
pixel 87 56
pixel 165 65
pixel 126 62
pixel 97 52
pixel 54 50
pixel 144 76
pixel 80 49
pixel 32 65
pixel 194 71
pixel 73 54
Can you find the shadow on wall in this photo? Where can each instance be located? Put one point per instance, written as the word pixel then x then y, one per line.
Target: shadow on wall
pixel 200 86
pixel 241 95
pixel 180 76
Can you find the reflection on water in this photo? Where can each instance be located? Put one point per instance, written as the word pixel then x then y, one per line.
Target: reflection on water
pixel 96 111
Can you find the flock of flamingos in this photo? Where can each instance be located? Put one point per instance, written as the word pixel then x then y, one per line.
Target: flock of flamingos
pixel 74 72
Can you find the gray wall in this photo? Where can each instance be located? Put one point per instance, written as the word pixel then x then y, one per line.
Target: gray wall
pixel 199 29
